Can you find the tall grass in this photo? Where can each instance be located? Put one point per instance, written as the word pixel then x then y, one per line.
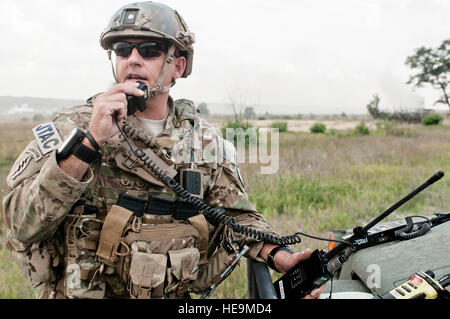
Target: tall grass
pixel 323 183
pixel 14 137
pixel 343 181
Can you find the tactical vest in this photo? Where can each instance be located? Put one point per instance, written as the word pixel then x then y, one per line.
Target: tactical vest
pixel 130 236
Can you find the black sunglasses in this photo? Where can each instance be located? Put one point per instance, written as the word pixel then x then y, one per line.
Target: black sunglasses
pixel 145 49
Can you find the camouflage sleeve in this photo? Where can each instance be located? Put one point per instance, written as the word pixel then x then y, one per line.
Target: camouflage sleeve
pixel 229 192
pixel 41 193
pixel 35 207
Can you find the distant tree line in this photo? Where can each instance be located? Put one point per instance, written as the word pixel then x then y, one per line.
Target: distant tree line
pixel 401 116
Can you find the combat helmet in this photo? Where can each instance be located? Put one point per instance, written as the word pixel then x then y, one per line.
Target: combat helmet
pixel 151 20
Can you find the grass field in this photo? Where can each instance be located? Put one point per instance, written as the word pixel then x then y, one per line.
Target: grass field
pixel 324 182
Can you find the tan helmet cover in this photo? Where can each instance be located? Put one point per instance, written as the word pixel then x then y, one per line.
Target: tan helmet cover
pixel 150 20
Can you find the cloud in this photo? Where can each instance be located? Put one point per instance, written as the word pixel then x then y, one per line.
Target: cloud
pixel 326 54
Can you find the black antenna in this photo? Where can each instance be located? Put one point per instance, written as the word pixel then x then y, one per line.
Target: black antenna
pixel 359 231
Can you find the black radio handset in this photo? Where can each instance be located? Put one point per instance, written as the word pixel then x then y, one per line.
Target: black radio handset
pixel 137 102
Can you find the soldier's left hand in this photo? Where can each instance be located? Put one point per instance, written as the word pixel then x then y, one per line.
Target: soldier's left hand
pixel 288 261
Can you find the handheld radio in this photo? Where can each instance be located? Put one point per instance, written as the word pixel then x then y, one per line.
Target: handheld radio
pixel 320 267
pixel 137 102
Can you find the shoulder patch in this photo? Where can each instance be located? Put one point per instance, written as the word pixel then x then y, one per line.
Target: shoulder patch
pixel 35 152
pixel 21 166
pixel 47 137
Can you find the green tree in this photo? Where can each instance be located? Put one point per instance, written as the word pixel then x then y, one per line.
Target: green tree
pixel 373 108
pixel 433 67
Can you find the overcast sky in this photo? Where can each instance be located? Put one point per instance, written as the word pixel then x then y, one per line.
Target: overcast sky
pixel 299 56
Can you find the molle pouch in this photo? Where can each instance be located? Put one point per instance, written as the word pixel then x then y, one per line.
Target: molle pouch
pixel 35 260
pixel 154 239
pixel 159 239
pixel 111 234
pixel 182 270
pixel 82 272
pixel 192 181
pixel 221 255
pixel 147 274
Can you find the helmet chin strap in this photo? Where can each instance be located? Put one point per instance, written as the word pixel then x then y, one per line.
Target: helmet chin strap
pixel 158 87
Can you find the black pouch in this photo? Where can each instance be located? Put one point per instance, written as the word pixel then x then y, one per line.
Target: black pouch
pixel 133 203
pixel 184 209
pixel 160 206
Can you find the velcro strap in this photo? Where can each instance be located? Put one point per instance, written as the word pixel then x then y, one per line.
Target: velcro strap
pixel 144 290
pixel 201 225
pixel 113 227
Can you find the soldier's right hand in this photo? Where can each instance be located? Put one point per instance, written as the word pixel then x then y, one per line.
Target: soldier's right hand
pixel 107 106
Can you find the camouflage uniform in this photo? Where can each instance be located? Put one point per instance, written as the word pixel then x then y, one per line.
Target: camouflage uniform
pixel 47 228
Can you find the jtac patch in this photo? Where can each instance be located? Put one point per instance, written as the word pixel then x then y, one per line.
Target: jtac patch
pixel 47 137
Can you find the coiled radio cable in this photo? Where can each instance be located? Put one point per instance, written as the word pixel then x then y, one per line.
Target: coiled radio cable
pixel 215 215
